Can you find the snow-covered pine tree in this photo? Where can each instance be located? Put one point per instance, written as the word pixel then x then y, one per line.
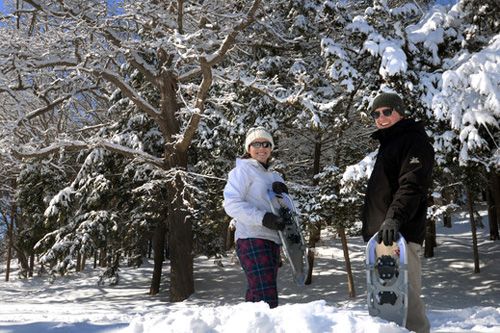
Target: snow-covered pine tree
pixel 37 184
pixel 179 48
pixel 468 101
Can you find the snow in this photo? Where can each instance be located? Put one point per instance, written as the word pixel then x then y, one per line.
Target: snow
pixel 457 299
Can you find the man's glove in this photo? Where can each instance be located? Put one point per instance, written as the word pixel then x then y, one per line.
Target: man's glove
pixel 389 231
pixel 274 222
pixel 279 187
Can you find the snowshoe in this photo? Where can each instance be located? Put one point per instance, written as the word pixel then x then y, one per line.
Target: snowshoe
pixel 294 245
pixel 387 282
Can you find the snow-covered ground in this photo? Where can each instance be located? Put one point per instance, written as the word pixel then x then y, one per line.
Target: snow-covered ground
pixel 457 299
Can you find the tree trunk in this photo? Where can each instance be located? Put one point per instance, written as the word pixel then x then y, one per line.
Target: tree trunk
pixel 84 261
pixel 102 258
pixel 315 231
pixel 492 216
pixel 10 234
pixel 21 257
pixel 78 262
pixel 180 240
pixel 470 204
pixel 314 237
pixel 495 197
pixel 158 250
pixel 430 239
pixel 32 265
pixel 447 220
pixel 180 230
pixel 350 280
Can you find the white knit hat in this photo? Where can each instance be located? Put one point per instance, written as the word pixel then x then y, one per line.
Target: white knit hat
pixel 258 133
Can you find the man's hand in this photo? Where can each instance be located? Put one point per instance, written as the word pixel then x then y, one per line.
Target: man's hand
pixel 274 222
pixel 388 232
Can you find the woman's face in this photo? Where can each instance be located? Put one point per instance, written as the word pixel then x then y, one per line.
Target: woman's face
pixel 260 153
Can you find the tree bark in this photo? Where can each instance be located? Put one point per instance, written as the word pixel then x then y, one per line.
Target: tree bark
pixel 492 216
pixel 350 279
pixel 158 248
pixel 447 220
pixel 495 196
pixel 314 237
pixel 102 258
pixel 10 235
pixel 315 230
pixel 84 261
pixel 180 232
pixel 430 239
pixel 78 262
pixel 470 204
pixel 32 265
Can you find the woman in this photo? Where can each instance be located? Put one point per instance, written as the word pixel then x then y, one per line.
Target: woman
pixel 257 239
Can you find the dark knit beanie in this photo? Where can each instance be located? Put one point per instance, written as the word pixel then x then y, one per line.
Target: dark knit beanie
pixel 389 100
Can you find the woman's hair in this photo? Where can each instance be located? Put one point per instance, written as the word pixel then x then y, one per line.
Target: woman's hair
pixel 246 156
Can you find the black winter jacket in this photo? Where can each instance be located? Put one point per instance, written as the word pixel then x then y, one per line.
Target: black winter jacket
pixel 400 181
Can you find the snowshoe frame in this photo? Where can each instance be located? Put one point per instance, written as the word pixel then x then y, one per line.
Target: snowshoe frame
pixel 292 239
pixel 388 301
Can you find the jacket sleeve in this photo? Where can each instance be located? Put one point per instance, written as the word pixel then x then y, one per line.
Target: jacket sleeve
pixel 417 160
pixel 235 204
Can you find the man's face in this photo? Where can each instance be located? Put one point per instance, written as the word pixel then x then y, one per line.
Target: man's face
pixel 382 121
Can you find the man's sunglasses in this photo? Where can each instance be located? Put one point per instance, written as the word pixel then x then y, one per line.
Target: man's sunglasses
pixel 386 112
pixel 257 144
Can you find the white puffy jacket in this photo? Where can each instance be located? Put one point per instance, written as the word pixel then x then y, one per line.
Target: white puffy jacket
pixel 245 199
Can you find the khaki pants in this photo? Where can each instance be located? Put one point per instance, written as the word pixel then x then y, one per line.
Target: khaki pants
pixel 416 320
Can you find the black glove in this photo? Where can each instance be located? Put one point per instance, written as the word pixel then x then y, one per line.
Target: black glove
pixel 279 187
pixel 274 222
pixel 389 231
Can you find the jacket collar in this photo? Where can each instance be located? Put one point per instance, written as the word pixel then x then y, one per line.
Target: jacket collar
pixel 252 162
pixel 403 126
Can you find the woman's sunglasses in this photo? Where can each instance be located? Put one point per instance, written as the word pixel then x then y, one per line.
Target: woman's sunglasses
pixel 386 112
pixel 257 144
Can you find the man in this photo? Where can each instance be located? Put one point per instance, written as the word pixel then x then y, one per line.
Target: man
pixel 396 196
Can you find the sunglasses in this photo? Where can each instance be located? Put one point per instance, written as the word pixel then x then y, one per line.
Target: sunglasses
pixel 258 144
pixel 386 112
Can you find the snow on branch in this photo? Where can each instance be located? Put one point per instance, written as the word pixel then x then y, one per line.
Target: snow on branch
pixel 69 146
pixel 358 172
pixel 130 92
pixel 227 44
pixel 80 145
pixel 267 89
pixel 470 98
pixel 52 105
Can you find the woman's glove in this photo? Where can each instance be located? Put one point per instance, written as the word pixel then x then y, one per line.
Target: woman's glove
pixel 274 222
pixel 279 187
pixel 389 231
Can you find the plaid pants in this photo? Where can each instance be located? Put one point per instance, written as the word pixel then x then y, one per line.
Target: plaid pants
pixel 259 259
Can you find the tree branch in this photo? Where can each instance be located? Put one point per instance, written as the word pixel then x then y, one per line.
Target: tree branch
pixel 80 145
pixel 199 105
pixel 130 92
pixel 227 44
